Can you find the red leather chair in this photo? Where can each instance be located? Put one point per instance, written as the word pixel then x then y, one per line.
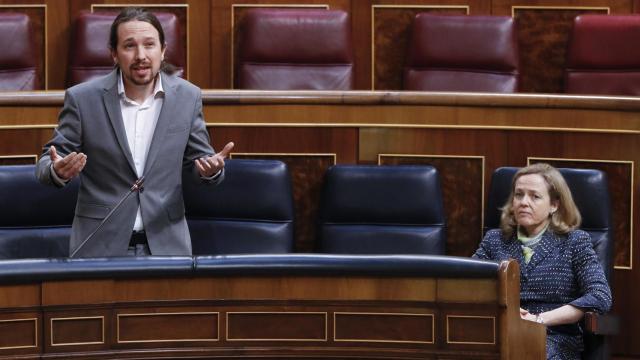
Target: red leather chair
pixel 286 49
pixel 90 55
pixel 603 57
pixel 462 53
pixel 18 69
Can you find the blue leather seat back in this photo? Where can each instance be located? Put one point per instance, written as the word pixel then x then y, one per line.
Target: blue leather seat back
pixel 591 194
pixel 250 212
pixel 382 210
pixel 35 219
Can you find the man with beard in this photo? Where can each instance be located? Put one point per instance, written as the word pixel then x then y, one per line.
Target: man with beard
pixel 138 121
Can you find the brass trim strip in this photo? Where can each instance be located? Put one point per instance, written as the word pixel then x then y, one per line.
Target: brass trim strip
pixel 373 27
pixel 101 318
pixel 35 332
pixel 45 35
pixel 388 126
pixel 186 20
pixel 233 9
pixel 34 156
pixel 326 326
pixel 542 7
pixel 428 126
pixel 630 267
pixel 433 328
pixel 333 155
pixel 493 318
pixel 118 316
pixel 483 169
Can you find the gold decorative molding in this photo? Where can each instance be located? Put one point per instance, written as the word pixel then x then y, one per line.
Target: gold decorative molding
pixel 379 125
pixel 373 27
pixel 408 126
pixel 119 316
pixel 542 7
pixel 186 20
pixel 28 156
pixel 278 313
pixel 35 334
pixel 433 328
pixel 493 318
pixel 627 162
pixel 233 26
pixel 101 318
pixel 45 35
pixel 248 155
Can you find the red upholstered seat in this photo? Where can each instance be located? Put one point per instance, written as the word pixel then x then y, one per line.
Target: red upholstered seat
pixel 18 56
pixel 462 53
pixel 90 55
pixel 286 49
pixel 603 57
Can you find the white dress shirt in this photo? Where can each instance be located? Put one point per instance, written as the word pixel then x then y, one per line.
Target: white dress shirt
pixel 139 124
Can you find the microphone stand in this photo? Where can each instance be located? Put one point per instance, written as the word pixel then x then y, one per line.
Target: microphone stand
pixel 137 186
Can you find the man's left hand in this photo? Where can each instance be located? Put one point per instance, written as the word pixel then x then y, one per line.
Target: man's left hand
pixel 208 166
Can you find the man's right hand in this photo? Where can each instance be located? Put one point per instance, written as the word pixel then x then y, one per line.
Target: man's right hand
pixel 69 166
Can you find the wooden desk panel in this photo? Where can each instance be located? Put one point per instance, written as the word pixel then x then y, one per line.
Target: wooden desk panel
pixel 282 316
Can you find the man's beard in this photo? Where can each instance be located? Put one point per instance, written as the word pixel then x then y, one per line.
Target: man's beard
pixel 145 81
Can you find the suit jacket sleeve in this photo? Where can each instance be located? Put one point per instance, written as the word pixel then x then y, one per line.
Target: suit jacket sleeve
pixel 67 138
pixel 484 250
pixel 596 294
pixel 199 144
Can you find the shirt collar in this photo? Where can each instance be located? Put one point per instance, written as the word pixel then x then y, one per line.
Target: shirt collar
pixel 157 88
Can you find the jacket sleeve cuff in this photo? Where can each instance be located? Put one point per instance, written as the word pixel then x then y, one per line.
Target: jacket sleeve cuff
pixel 55 178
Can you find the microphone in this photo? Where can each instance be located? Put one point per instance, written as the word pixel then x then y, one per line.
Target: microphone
pixel 137 186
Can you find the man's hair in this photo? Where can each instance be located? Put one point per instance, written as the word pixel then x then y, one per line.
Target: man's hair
pixel 139 14
pixel 566 218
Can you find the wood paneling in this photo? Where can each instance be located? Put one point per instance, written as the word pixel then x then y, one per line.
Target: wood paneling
pixel 18 159
pixel 166 326
pixel 84 330
pixel 19 333
pixel 471 330
pixel 385 327
pixel 543 35
pixel 276 326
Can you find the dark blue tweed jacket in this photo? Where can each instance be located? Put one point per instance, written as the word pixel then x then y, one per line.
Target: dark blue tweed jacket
pixel 564 269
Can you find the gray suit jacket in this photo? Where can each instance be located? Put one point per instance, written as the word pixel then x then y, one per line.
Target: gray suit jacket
pixel 91 122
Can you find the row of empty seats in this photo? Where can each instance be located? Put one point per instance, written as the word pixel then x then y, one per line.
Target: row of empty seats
pixel 363 210
pixel 252 211
pixel 310 49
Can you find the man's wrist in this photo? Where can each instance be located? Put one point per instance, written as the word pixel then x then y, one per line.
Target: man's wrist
pixel 539 319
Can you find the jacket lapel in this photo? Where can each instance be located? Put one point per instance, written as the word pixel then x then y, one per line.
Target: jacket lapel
pixel 170 108
pixel 545 247
pixel 112 104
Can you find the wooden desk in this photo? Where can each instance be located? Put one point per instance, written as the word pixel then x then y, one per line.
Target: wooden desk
pixel 272 315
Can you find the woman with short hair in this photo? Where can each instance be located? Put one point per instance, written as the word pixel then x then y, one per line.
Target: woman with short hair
pixel 560 276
